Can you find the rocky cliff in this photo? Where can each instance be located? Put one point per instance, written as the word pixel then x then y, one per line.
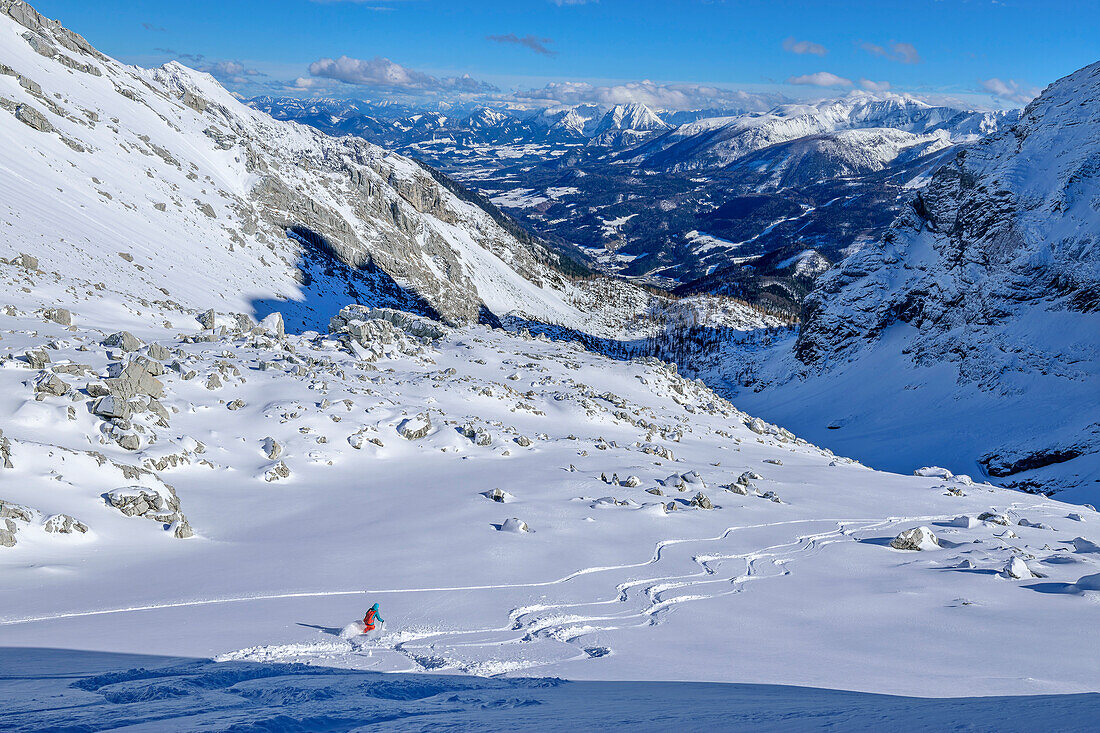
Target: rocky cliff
pixel 200 192
pixel 994 270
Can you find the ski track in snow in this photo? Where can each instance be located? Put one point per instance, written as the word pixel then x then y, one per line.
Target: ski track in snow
pixel 635 602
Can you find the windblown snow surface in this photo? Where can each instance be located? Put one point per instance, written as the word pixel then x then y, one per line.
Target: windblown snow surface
pixel 194 507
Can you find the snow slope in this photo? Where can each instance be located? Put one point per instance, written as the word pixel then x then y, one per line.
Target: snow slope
pixel 287 461
pixel 975 318
pixel 189 483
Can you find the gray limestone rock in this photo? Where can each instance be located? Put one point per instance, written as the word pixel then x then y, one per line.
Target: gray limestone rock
pixel 5 451
pixel 111 406
pixel 123 340
pixel 16 511
pixel 31 117
pixel 272 448
pixel 136 378
pixel 917 538
pixel 58 315
pixel 279 471
pixel 479 435
pixel 50 383
pixel 7 533
pixel 64 524
pixel 701 501
pixel 37 358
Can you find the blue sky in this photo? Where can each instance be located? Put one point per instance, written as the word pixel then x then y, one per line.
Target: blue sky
pixel 985 52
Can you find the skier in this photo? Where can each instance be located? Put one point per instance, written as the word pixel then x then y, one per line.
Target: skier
pixel 370 618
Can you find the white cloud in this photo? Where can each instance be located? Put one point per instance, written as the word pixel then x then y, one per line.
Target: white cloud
pixel 820 79
pixel 804 47
pixel 1010 91
pixel 874 86
pixel 381 72
pixel 560 3
pixel 662 96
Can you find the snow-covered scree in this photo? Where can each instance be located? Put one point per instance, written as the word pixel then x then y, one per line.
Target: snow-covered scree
pixel 247 493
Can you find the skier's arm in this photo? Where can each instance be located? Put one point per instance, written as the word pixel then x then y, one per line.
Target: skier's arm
pixel 380 619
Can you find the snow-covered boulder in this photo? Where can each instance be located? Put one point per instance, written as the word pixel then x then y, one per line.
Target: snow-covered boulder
pixel 273 325
pixel 512 524
pixel 60 316
pixel 272 448
pixel 9 510
pixel 1017 569
pixel 497 495
pixel 701 501
pixel 277 472
pixel 415 427
pixel 994 517
pixel 965 521
pixel 137 377
pixel 479 435
pixel 1089 582
pixel 1080 544
pixel 934 472
pixel 161 507
pixel 37 358
pixel 918 538
pixel 50 383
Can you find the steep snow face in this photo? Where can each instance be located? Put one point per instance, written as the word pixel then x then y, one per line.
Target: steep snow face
pixel 718 142
pixel 986 293
pixel 167 168
pixel 625 125
pixel 839 154
pixel 633 116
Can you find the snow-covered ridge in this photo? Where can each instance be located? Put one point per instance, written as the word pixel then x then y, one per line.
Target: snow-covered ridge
pixel 165 166
pixel 717 142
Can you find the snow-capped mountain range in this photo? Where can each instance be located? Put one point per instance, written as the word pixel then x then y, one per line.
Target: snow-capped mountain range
pixel 254 378
pixel 718 142
pixel 569 173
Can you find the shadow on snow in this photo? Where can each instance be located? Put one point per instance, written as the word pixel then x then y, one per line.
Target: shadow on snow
pixel 62 689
